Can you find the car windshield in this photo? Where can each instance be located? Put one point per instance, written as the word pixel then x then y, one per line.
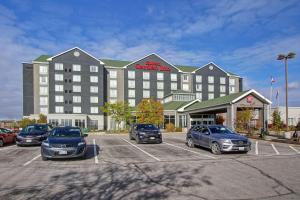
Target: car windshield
pixel 33 128
pixel 220 130
pixel 65 132
pixel 146 127
pixel 3 130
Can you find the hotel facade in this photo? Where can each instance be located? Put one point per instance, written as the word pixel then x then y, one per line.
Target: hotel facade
pixel 70 87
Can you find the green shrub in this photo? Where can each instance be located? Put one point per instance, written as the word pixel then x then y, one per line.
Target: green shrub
pixel 170 127
pixel 178 129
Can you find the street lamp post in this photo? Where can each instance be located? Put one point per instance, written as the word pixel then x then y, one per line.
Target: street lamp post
pixel 285 58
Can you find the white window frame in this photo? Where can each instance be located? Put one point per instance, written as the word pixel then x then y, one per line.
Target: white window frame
pixel 59 109
pixel 131 93
pixel 76 88
pixel 113 74
pixel 113 93
pixel 76 68
pixel 43 69
pixel 173 77
pixel 198 78
pixel 199 95
pixel 185 78
pixel 231 89
pixel 76 78
pixel 93 68
pixel 211 96
pixel 76 99
pixel 94 89
pixel 211 79
pixel 59 98
pixel 146 84
pixel 58 77
pixel 43 90
pixel 44 110
pixel 146 94
pixel 113 83
pixel 94 110
pixel 174 86
pixel 131 74
pixel 146 75
pixel 131 83
pixel 44 101
pixel 223 80
pixel 160 94
pixel 94 99
pixel 77 109
pixel 131 102
pixel 211 88
pixel 43 80
pixel 59 88
pixel 160 76
pixel 160 85
pixel 59 66
pixel 185 87
pixel 232 81
pixel 94 79
pixel 199 87
pixel 222 88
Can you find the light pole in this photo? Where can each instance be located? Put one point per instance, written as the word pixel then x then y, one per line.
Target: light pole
pixel 285 58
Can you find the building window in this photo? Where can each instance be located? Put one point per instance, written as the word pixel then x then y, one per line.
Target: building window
pixel 211 88
pixel 198 95
pixel 222 89
pixel 94 79
pixel 80 123
pixel 43 101
pixel 146 84
pixel 43 80
pixel 59 88
pixel 160 76
pixel 76 99
pixel 76 88
pixel 94 99
pixel 198 87
pixel 198 78
pixel 66 122
pixel 43 69
pixel 113 93
pixel 131 93
pixel 76 68
pixel 93 68
pixel 44 110
pixel 160 94
pixel 112 74
pixel 113 83
pixel 146 94
pixel 146 75
pixel 59 109
pixel 185 78
pixel 59 99
pixel 94 110
pixel 131 102
pixel 211 95
pixel 211 79
pixel 231 81
pixel 131 84
pixel 222 80
pixel 173 86
pixel 222 95
pixel 59 66
pixel 43 90
pixel 185 87
pixel 160 85
pixel 76 109
pixel 94 89
pixel 182 121
pixel 173 77
pixel 76 78
pixel 231 89
pixel 112 100
pixel 169 119
pixel 59 77
pixel 131 74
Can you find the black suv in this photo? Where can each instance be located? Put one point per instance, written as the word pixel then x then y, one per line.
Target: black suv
pixel 145 133
pixel 33 134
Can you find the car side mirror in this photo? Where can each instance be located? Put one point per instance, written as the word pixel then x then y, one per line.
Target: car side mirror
pixel 85 135
pixel 206 133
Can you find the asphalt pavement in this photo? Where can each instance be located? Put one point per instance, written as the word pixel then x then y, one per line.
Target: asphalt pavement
pixel 118 168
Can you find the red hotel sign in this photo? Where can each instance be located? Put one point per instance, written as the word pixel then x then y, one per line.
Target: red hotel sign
pixel 150 65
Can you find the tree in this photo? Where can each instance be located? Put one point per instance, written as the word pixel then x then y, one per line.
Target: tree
pixel 26 121
pixel 42 119
pixel 119 112
pixel 244 117
pixel 150 111
pixel 277 123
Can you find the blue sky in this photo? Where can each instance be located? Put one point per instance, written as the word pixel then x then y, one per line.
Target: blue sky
pixel 243 37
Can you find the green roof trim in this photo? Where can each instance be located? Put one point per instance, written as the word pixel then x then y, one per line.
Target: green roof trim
pixel 42 58
pixel 186 68
pixel 215 102
pixel 175 105
pixel 115 63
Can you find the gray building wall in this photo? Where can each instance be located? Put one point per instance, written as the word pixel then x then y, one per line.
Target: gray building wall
pixel 28 100
pixel 68 59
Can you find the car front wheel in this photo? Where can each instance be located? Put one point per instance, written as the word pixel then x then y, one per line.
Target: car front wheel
pixel 190 143
pixel 215 148
pixel 1 143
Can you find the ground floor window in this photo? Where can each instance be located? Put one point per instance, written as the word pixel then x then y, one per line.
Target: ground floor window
pixel 54 122
pixel 93 125
pixel 66 122
pixel 182 121
pixel 169 119
pixel 80 123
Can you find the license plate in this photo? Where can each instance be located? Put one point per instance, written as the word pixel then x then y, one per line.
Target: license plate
pixel 28 140
pixel 241 148
pixel 152 138
pixel 62 152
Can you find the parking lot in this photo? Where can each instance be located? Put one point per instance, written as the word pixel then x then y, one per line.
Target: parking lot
pixel 117 168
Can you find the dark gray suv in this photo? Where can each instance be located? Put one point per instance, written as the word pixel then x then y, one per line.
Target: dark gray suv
pixel 218 138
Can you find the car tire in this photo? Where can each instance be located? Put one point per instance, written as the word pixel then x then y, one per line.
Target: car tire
pixel 1 143
pixel 130 137
pixel 190 142
pixel 138 141
pixel 215 148
pixel 159 142
pixel 44 158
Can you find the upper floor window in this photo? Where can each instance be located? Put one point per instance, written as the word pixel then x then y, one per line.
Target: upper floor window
pixel 94 89
pixel 59 88
pixel 199 95
pixel 131 93
pixel 146 75
pixel 185 87
pixel 93 68
pixel 222 80
pixel 76 109
pixel 43 101
pixel 43 80
pixel 59 99
pixel 113 93
pixel 173 77
pixel 43 90
pixel 198 87
pixel 131 84
pixel 59 77
pixel 160 76
pixel 160 94
pixel 185 78
pixel 76 78
pixel 223 89
pixel 146 84
pixel 76 68
pixel 94 110
pixel 231 89
pixel 211 79
pixel 94 79
pixel 173 86
pixel 131 74
pixel 160 85
pixel 112 74
pixel 131 102
pixel 146 94
pixel 113 83
pixel 76 88
pixel 58 66
pixel 76 99
pixel 59 109
pixel 231 81
pixel 43 69
pixel 198 78
pixel 94 99
pixel 211 88
pixel 211 95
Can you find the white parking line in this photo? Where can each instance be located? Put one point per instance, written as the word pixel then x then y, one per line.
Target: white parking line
pixel 294 149
pixel 95 152
pixel 9 147
pixel 30 161
pixel 190 150
pixel 256 147
pixel 273 146
pixel 145 152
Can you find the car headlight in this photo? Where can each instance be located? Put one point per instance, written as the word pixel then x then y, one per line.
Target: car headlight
pixel 158 132
pixel 81 143
pixel 226 141
pixel 45 143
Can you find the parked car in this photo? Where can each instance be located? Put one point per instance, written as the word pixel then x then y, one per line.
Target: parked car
pixel 145 133
pixel 218 138
pixel 33 134
pixel 64 142
pixel 7 136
